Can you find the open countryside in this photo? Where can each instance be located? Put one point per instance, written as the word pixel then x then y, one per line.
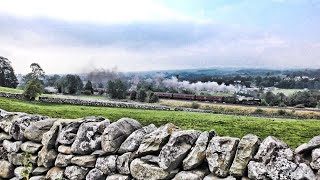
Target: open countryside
pixel 160 90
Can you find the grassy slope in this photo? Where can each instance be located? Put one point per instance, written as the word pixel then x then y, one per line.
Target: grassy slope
pixel 10 90
pixel 19 91
pixel 293 132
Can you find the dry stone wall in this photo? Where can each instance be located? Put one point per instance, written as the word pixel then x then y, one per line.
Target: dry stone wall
pixel 12 95
pixel 115 104
pixel 93 148
pixel 104 103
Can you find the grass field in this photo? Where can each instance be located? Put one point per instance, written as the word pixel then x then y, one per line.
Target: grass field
pixel 219 108
pixel 287 92
pixel 10 90
pixel 238 109
pixel 293 132
pixel 19 91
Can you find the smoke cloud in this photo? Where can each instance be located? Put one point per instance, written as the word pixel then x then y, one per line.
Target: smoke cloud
pixel 200 86
pixel 104 75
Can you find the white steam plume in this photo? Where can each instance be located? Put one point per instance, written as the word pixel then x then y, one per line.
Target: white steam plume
pixel 200 86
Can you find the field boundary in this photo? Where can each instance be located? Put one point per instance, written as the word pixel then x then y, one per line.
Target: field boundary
pixel 115 104
pixel 12 95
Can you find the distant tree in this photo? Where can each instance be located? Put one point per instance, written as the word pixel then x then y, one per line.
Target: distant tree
pixel 37 73
pixel 269 96
pixel 51 80
pixel 133 95
pixel 307 98
pixel 34 82
pixel 145 85
pixel 88 87
pixel 272 99
pixel 264 103
pixel 33 89
pixel 73 84
pixel 69 84
pixel 187 91
pixel 94 86
pixel 100 85
pixel 59 85
pixel 153 98
pixel 258 80
pixel 141 95
pixel 7 76
pixel 282 97
pixel 116 89
pixel 25 79
pixel 172 90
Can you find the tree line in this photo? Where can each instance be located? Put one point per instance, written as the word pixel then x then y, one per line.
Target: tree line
pixel 7 75
pixel 36 80
pixel 298 99
pixel 34 84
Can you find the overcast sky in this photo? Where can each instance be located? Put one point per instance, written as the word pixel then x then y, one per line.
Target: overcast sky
pixel 73 36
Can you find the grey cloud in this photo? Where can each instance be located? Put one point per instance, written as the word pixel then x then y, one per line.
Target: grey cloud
pixel 148 46
pixel 135 35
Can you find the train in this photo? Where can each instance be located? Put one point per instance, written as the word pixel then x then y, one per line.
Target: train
pixel 216 99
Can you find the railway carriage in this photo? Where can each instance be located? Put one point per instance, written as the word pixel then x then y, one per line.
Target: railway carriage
pixel 164 95
pixel 183 96
pixel 219 99
pixel 215 98
pixel 202 98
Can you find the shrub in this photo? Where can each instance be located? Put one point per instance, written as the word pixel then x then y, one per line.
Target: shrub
pixel 207 107
pixel 195 105
pixel 282 112
pixel 133 95
pixel 299 106
pixel 27 166
pixel 258 111
pixel 291 113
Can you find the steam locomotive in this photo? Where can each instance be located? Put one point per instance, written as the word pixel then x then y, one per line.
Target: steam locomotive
pixel 217 99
